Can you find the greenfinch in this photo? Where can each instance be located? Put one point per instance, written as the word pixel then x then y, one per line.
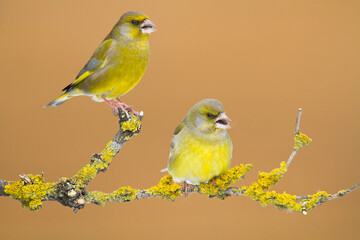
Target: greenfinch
pixel 201 148
pixel 117 64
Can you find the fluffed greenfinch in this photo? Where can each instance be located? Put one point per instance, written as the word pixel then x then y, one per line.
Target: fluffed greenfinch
pixel 117 64
pixel 201 148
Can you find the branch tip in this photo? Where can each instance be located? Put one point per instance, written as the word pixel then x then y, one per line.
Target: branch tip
pixel 297 125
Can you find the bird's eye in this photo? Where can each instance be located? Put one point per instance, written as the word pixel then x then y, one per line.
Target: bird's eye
pixel 211 116
pixel 134 22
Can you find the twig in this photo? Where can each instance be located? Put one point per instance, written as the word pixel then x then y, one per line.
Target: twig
pixel 297 125
pixel 295 150
pixel 333 196
pixel 340 193
pixel 292 155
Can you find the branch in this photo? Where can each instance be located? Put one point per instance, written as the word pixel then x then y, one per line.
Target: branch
pixel 2 188
pixel 328 198
pixel 31 190
pixel 297 133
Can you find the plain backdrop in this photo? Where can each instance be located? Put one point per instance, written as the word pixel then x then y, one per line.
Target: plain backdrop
pixel 262 59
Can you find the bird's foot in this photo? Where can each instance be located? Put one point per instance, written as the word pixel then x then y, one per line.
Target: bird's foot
pixel 129 108
pixel 213 181
pixel 186 189
pixel 115 107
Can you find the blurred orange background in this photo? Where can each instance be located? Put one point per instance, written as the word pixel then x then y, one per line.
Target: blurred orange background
pixel 261 59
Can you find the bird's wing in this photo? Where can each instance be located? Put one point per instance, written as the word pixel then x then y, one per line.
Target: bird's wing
pixel 179 128
pixel 96 62
pixel 176 132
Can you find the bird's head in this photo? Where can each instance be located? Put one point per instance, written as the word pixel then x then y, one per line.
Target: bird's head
pixel 208 116
pixel 134 25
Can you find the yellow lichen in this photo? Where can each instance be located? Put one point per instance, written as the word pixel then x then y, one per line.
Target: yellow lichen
pixel 283 200
pixel 132 125
pixel 99 198
pixel 342 192
pixel 124 194
pixel 266 180
pixel 222 182
pixel 85 175
pixel 30 194
pixel 312 202
pixel 208 189
pixel 301 140
pixel 256 190
pixel 108 153
pixel 280 200
pixel 166 189
pixel 232 176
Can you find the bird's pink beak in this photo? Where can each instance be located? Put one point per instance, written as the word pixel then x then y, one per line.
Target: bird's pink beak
pixel 147 26
pixel 221 121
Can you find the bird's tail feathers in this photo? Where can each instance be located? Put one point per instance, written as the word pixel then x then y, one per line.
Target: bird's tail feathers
pixel 60 100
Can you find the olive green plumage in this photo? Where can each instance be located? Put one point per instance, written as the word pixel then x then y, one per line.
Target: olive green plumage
pixel 201 148
pixel 117 64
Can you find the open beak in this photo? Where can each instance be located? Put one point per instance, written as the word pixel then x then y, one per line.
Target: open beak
pixel 147 26
pixel 221 121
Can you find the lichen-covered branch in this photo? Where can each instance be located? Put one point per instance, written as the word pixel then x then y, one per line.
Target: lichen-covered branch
pixel 301 140
pixel 31 190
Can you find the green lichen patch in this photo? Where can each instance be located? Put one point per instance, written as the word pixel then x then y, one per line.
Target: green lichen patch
pixel 166 189
pixel 301 140
pixel 30 195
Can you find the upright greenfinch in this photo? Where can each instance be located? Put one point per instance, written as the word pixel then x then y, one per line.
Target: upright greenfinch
pixel 201 148
pixel 117 64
